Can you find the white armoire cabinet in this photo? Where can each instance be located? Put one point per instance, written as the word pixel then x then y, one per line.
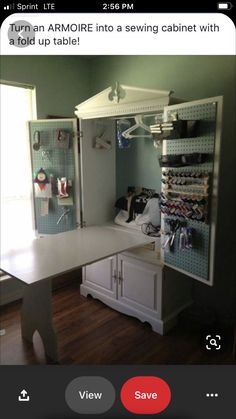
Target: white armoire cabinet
pixel 137 282
pixel 153 288
pixel 137 287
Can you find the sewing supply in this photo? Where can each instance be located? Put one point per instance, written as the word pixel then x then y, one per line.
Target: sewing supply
pixel 165 241
pixel 66 201
pixel 41 178
pixel 123 125
pixel 44 207
pixel 182 239
pixel 190 232
pixel 37 143
pixel 46 156
pixel 62 138
pixel 62 187
pixel 186 238
pixel 43 193
pixel 64 215
pixel 185 194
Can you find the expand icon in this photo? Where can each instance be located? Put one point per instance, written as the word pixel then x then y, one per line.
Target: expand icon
pixel 213 342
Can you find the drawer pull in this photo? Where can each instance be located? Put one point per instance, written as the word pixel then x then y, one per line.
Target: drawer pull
pixel 120 277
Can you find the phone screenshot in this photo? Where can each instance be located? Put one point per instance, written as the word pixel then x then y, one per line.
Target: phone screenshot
pixel 117 274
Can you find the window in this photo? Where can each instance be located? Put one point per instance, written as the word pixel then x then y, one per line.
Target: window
pixel 17 214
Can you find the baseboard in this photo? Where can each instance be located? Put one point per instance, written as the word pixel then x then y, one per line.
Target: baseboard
pixel 10 297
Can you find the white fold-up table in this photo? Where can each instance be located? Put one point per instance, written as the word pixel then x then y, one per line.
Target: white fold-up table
pixel 41 259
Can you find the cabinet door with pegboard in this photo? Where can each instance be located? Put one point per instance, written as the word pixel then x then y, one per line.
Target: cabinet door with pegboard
pixel 55 174
pixel 190 176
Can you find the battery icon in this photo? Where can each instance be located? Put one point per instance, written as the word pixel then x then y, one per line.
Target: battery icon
pixel 224 6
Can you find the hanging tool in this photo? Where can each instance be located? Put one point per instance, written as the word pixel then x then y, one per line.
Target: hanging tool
pixel 64 215
pixel 174 225
pixel 37 143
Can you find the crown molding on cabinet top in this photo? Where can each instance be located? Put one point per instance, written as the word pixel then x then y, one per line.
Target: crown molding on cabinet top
pixel 119 100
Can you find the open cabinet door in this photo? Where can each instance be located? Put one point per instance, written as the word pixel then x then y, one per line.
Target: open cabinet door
pixel 189 193
pixel 54 155
pixel 98 166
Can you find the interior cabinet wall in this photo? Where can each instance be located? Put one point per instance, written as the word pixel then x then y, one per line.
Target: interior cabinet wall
pixel 138 166
pixel 98 171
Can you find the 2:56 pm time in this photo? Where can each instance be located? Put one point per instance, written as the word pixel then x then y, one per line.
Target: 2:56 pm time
pixel 118 6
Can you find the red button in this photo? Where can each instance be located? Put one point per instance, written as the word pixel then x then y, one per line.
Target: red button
pixel 148 395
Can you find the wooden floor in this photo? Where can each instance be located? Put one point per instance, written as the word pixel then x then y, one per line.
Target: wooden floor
pixel 91 333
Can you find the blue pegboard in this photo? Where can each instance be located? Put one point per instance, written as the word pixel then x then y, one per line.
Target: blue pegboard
pixel 193 261
pixel 60 163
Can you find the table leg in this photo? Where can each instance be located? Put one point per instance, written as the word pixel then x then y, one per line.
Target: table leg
pixel 37 315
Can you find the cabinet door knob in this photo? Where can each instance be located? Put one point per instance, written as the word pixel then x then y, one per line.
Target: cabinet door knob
pixel 120 277
pixel 114 276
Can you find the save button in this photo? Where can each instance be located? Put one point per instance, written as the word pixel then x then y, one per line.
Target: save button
pixel 145 395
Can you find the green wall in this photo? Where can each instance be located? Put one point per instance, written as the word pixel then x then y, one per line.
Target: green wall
pixel 191 77
pixel 61 81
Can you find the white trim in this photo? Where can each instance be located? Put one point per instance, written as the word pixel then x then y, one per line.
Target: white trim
pixel 156 323
pixel 34 103
pixel 10 297
pixel 17 84
pixel 4 277
pixel 53 120
pixel 215 186
pixel 77 186
pixel 33 116
pixel 135 100
pixel 194 103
